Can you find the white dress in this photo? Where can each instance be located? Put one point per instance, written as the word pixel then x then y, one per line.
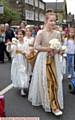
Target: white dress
pixel 38 91
pixel 30 41
pixel 19 67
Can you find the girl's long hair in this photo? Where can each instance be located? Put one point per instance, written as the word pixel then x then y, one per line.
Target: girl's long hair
pixel 73 36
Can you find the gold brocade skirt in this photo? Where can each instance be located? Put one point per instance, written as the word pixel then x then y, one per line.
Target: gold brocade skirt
pixel 52 83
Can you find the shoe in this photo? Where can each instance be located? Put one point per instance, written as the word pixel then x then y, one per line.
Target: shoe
pixel 57 112
pixel 23 93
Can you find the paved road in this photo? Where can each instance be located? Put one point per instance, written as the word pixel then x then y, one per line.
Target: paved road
pixel 17 106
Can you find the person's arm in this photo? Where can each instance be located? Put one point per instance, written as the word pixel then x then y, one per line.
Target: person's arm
pixel 37 44
pixel 10 47
pixel 59 36
pixel 61 52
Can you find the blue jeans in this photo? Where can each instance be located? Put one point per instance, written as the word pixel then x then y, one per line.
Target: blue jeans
pixel 70 64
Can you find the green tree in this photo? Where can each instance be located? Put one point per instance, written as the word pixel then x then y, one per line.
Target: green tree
pixel 9 15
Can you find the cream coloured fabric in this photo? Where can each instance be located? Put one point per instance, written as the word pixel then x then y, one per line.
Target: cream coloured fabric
pixel 20 70
pixel 38 92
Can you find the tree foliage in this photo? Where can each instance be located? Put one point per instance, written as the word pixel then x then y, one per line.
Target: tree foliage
pixel 9 15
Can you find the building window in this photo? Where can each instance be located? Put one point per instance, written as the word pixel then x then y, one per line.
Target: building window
pixel 26 1
pixel 36 16
pixel 1 9
pixel 36 3
pixel 29 15
pixel 41 17
pixel 41 5
pixel 31 2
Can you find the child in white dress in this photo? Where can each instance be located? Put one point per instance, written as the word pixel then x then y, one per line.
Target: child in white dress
pixel 30 40
pixel 70 43
pixel 19 67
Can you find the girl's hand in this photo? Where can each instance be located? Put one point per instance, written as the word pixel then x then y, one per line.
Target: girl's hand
pixel 31 49
pixel 53 52
pixel 49 49
pixel 8 43
pixel 28 53
pixel 61 52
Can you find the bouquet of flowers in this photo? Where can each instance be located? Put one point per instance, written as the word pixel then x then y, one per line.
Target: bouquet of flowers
pixel 56 45
pixel 64 48
pixel 9 43
pixel 14 41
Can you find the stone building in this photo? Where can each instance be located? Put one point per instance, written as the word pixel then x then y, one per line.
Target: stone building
pixel 60 8
pixel 30 10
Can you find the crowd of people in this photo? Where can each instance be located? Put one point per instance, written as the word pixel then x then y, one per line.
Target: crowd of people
pixel 35 66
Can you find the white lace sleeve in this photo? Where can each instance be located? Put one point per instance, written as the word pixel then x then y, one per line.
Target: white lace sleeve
pixel 38 40
pixel 10 48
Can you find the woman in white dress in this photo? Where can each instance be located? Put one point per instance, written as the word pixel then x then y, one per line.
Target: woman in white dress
pixel 46 84
pixel 19 67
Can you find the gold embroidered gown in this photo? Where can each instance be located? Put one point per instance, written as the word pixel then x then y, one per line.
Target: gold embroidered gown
pixel 44 85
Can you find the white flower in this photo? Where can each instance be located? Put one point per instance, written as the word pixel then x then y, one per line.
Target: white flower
pixel 64 48
pixel 55 44
pixel 14 41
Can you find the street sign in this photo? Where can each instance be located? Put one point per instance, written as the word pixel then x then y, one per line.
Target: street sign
pixel 1 9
